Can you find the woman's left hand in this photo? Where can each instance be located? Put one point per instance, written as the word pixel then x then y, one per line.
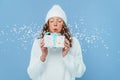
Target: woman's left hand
pixel 66 47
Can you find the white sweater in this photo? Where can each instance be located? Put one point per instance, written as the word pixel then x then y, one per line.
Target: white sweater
pixel 56 67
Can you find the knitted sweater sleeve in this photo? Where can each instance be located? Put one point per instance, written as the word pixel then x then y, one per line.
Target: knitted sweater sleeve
pixel 74 61
pixel 36 66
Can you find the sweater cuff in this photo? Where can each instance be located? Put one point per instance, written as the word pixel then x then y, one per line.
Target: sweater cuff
pixel 41 62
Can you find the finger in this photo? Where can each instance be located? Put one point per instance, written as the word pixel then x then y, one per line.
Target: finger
pixel 66 48
pixel 42 44
pixel 41 41
pixel 67 42
pixel 66 45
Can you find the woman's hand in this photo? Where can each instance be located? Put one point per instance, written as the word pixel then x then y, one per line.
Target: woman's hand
pixel 44 51
pixel 66 47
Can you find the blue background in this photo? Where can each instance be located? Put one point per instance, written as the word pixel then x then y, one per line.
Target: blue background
pixel 95 23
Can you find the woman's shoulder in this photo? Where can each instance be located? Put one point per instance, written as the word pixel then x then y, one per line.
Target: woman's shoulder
pixel 37 40
pixel 74 39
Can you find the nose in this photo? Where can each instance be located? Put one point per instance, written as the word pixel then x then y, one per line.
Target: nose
pixel 55 23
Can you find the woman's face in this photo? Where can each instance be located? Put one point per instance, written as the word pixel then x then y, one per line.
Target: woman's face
pixel 55 24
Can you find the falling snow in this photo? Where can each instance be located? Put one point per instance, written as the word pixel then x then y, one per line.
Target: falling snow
pixel 26 34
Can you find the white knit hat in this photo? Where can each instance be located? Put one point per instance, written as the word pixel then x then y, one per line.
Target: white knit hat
pixel 56 11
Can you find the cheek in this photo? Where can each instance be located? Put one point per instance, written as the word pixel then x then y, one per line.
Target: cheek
pixel 50 26
pixel 60 26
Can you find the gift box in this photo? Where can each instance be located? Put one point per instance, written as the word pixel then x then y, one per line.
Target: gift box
pixel 53 40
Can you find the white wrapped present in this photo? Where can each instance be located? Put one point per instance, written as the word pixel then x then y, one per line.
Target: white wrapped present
pixel 54 40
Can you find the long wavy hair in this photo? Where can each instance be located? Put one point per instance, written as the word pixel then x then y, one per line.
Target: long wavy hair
pixel 65 32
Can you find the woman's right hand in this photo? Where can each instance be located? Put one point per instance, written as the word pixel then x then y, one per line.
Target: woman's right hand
pixel 44 51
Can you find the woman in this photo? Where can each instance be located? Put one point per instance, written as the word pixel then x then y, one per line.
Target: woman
pixel 56 63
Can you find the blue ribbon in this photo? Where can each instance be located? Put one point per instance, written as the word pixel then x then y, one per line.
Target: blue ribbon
pixel 54 38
